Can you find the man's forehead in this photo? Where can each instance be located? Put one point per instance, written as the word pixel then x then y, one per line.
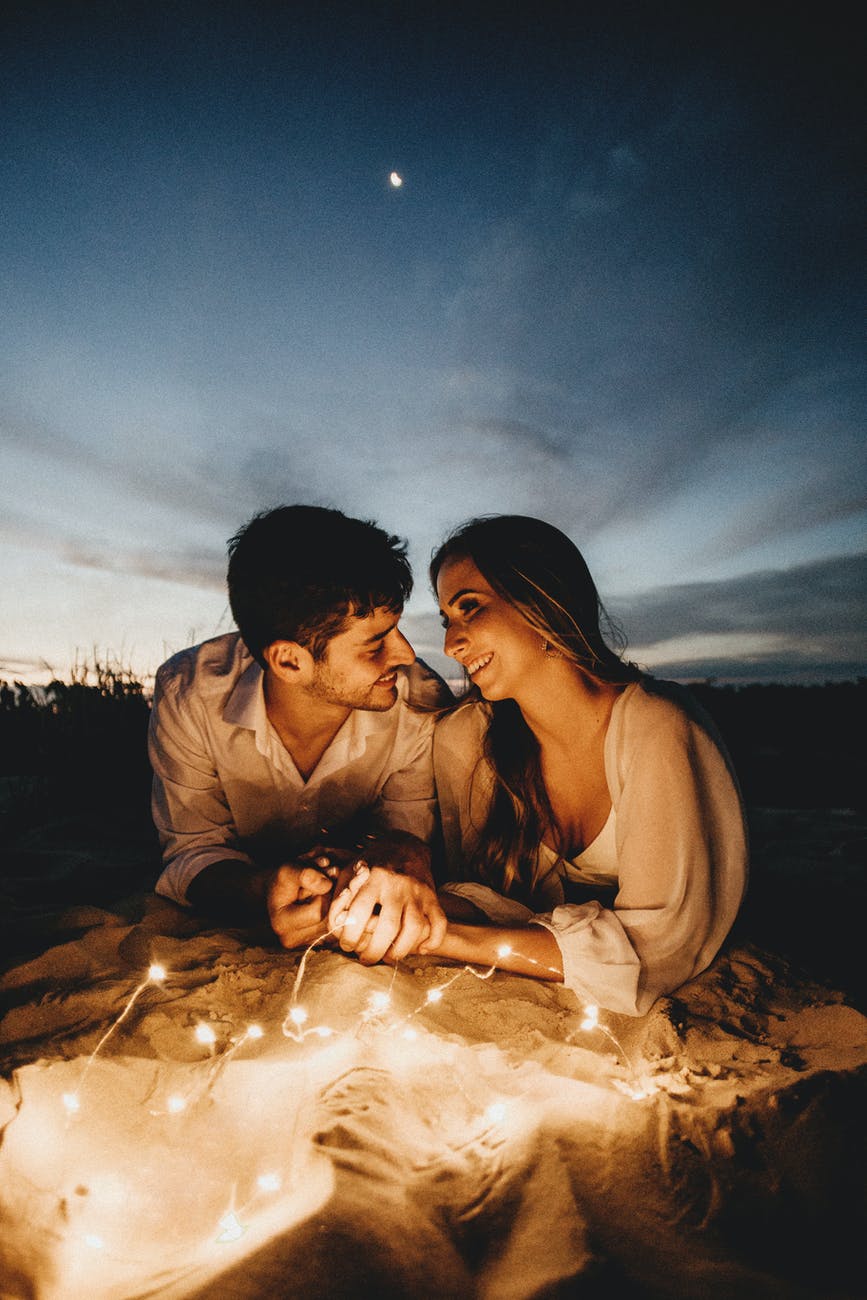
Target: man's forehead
pixel 360 628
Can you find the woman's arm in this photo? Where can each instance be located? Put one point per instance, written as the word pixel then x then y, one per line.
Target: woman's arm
pixel 525 950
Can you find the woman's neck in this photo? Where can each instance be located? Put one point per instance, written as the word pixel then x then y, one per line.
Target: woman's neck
pixel 564 701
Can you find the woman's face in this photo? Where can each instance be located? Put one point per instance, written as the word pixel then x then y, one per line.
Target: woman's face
pixel 484 633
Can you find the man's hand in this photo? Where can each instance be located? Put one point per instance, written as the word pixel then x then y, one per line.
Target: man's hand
pixel 297 899
pixel 383 914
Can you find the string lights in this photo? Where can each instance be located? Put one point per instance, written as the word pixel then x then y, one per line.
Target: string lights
pixel 377 1015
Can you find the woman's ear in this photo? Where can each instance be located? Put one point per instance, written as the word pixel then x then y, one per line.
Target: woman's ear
pixel 289 661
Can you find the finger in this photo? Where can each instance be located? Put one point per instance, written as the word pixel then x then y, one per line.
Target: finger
pixel 438 923
pixel 413 931
pixel 313 882
pixel 385 931
pixel 342 903
pixel 356 918
pixel 298 923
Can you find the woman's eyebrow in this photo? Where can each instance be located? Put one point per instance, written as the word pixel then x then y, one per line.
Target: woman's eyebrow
pixel 464 591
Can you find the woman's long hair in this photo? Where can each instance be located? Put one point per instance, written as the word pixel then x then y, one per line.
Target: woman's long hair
pixel 540 572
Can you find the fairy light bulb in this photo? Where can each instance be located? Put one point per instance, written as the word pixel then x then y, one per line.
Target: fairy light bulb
pixel 205 1034
pixel 496 1113
pixel 255 1031
pixel 410 1034
pixel 71 1102
pixel 157 973
pixel 323 1031
pixel 93 1240
pixel 269 1182
pixel 298 1016
pixel 504 950
pixel 231 1228
pixel 434 995
pixel 175 1104
pixel 379 1001
pixel 591 1018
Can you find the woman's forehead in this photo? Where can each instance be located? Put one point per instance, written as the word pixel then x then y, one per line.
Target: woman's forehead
pixel 458 574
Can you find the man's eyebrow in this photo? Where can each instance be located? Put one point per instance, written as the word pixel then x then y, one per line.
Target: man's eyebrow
pixel 380 636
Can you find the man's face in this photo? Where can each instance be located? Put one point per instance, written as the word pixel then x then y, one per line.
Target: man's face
pixel 358 668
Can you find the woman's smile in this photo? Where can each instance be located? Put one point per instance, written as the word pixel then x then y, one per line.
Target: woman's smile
pixel 476 665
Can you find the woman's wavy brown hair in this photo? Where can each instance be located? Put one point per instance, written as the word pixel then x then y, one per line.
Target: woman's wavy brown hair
pixel 540 572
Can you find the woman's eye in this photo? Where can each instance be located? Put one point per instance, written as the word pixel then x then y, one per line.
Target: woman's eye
pixel 443 621
pixel 469 608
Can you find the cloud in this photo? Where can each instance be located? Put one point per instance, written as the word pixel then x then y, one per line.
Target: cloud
pixel 809 619
pixel 803 623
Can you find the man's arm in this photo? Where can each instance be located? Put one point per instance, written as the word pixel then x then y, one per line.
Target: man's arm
pixel 204 865
pixel 292 898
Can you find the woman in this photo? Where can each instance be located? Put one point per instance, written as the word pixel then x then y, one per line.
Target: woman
pixel 568 773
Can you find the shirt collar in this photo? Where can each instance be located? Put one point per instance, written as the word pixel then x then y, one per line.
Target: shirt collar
pixel 245 706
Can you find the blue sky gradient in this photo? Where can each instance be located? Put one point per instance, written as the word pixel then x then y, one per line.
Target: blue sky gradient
pixel 621 288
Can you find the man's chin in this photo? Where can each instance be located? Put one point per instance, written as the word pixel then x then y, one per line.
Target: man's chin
pixel 381 699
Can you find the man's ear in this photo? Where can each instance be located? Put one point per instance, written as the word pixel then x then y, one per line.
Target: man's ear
pixel 289 661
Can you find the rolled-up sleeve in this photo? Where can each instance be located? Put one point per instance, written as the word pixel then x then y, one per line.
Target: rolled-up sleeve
pixel 682 867
pixel 189 806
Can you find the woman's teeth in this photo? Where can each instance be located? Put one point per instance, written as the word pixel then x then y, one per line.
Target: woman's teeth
pixel 477 664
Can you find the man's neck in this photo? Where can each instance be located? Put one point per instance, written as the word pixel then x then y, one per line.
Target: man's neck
pixel 306 725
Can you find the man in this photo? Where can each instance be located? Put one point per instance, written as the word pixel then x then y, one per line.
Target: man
pixel 269 745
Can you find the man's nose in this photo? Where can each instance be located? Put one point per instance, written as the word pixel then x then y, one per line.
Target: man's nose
pixel 401 652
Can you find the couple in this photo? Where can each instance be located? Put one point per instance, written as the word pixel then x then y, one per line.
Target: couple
pixel 590 825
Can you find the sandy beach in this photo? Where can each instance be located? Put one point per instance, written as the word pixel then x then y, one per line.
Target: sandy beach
pixel 429 1131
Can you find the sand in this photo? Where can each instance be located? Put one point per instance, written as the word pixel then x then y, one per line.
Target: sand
pixel 421 1132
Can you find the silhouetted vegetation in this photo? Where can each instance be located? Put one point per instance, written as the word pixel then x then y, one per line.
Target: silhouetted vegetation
pixel 76 748
pixel 74 791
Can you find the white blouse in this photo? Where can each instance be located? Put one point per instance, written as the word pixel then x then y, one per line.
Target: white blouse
pixel 674 847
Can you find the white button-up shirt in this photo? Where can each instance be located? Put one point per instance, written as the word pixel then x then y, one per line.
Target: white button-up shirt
pixel 225 787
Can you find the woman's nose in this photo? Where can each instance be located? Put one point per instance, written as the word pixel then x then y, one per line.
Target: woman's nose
pixel 453 641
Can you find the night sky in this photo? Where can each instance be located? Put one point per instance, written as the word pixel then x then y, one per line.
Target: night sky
pixel 621 287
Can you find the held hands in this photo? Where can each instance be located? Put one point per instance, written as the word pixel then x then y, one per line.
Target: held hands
pixel 377 912
pixel 383 915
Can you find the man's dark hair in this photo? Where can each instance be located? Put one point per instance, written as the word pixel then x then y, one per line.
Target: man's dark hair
pixel 298 572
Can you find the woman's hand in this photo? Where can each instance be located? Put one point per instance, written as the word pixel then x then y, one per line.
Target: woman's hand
pixel 380 914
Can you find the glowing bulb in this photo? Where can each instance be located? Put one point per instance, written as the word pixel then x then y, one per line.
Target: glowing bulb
pixel 323 1031
pixel 94 1241
pixel 255 1031
pixel 176 1103
pixel 205 1034
pixel 232 1228
pixel 156 972
pixel 269 1182
pixel 410 1034
pixel 504 950
pixel 298 1016
pixel 591 1018
pixel 396 180
pixel 435 995
pixel 379 1001
pixel 72 1102
pixel 496 1113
